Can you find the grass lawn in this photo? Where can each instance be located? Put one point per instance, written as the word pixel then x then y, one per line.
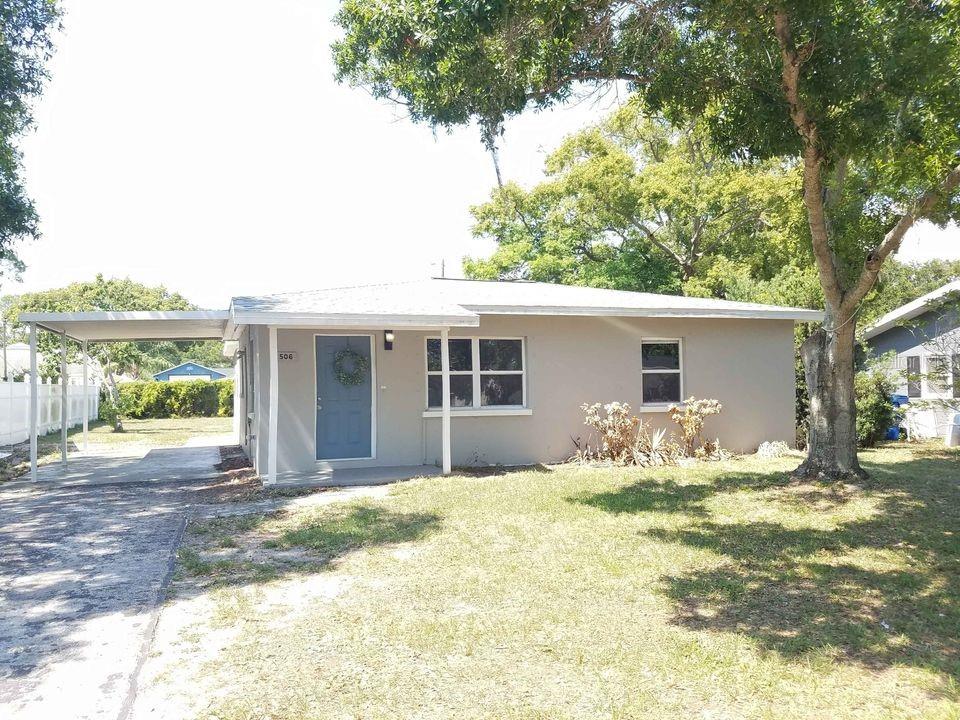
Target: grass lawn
pixel 151 433
pixel 721 591
pixel 168 432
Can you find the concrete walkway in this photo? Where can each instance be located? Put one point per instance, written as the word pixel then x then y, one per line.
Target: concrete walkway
pixel 83 557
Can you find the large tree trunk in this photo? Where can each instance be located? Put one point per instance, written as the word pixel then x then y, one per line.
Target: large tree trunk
pixel 828 359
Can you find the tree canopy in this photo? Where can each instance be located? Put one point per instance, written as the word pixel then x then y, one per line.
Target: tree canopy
pixel 26 27
pixel 637 204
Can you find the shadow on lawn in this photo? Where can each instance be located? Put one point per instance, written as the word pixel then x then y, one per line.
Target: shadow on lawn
pixel 797 590
pixel 244 550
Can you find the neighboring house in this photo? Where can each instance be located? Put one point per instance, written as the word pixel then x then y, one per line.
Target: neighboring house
pixel 353 378
pixel 18 364
pixel 189 371
pixel 922 342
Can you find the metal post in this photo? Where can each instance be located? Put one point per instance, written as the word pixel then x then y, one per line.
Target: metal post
pixel 33 402
pixel 274 401
pixel 445 389
pixel 64 400
pixel 86 397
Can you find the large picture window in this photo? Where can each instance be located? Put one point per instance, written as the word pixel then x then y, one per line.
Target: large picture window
pixel 484 372
pixel 660 368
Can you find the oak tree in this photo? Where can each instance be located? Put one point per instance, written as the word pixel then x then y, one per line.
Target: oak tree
pixel 863 95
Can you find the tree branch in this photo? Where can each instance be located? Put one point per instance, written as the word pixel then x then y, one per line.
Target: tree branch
pixel 685 266
pixel 891 241
pixel 792 58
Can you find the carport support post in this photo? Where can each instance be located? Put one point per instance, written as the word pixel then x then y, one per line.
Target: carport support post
pixel 86 398
pixel 445 389
pixel 64 400
pixel 274 406
pixel 33 402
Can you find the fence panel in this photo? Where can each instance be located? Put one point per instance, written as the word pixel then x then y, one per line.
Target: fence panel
pixel 15 408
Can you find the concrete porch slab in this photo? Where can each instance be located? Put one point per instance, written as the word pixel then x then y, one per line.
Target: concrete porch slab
pixel 346 477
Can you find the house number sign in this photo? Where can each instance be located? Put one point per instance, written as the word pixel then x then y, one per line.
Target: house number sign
pixel 287 355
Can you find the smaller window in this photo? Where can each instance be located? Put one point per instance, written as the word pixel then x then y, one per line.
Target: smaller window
pixel 660 367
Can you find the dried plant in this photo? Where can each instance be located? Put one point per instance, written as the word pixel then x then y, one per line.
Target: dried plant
pixel 616 427
pixel 690 416
pixel 624 439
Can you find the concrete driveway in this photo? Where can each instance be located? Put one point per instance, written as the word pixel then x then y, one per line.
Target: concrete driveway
pixel 83 558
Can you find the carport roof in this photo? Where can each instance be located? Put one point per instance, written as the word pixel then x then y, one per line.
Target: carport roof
pixel 134 325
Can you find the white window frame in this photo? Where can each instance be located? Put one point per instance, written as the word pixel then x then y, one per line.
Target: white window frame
pixel 655 407
pixel 477 374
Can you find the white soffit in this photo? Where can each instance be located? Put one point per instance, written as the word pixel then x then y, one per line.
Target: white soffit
pixel 139 325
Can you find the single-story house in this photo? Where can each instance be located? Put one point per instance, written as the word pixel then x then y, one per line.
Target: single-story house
pixel 921 343
pixel 446 372
pixel 189 371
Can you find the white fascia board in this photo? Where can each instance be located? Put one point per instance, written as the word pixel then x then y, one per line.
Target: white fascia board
pixel 910 310
pixel 103 316
pixel 796 314
pixel 358 320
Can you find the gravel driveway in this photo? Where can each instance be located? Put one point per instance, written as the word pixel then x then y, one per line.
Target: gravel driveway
pixel 83 558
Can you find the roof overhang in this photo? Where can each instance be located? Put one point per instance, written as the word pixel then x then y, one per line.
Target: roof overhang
pixel 138 325
pixel 911 310
pixel 354 320
pixel 795 314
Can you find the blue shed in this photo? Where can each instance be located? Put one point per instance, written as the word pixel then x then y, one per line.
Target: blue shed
pixel 189 371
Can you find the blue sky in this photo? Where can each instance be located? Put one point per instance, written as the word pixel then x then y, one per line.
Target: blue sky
pixel 204 145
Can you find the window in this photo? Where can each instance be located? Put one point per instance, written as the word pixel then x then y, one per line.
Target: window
pixel 938 373
pixel 660 368
pixel 484 372
pixel 956 375
pixel 913 376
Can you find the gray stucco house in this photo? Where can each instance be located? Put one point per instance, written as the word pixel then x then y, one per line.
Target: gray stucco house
pixel 391 379
pixel 921 344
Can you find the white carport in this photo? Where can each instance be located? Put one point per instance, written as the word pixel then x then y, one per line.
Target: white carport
pixel 87 327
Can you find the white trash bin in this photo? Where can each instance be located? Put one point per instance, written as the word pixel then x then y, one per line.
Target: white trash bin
pixel 953 431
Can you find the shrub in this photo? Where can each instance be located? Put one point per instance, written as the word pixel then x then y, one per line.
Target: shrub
pixel 225 398
pixel 196 398
pixel 875 413
pixel 616 427
pixel 690 417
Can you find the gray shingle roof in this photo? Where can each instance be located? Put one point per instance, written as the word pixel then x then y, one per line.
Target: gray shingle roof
pixel 460 302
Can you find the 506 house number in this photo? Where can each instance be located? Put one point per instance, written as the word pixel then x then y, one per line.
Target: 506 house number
pixel 287 355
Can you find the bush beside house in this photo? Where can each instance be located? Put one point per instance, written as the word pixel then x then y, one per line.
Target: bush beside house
pixel 197 398
pixel 875 413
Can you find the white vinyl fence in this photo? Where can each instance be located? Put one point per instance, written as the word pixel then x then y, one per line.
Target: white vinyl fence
pixel 15 408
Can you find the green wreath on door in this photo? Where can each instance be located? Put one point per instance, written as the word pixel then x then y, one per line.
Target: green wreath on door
pixel 350 367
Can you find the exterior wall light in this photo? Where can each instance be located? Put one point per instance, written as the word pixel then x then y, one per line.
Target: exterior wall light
pixel 388 339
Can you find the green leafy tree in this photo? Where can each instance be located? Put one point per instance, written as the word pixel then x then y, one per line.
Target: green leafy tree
pixel 637 204
pixel 114 358
pixel 863 96
pixel 25 26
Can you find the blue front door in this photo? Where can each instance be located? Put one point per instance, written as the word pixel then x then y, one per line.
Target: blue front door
pixel 344 409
